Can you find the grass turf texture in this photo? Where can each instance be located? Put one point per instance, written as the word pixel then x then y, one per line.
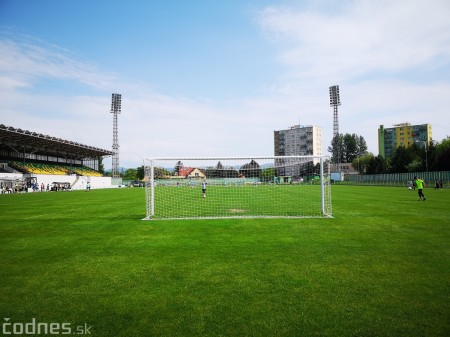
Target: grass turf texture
pixel 379 268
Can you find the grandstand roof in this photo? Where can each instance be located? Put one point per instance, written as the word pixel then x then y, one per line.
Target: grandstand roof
pixel 24 140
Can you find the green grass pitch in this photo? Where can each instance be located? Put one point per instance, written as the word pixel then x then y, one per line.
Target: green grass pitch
pixel 380 267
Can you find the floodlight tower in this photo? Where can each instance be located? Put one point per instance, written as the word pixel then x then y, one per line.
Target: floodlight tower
pixel 335 101
pixel 116 106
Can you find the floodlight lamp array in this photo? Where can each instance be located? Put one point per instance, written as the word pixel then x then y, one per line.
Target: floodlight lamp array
pixel 116 103
pixel 334 96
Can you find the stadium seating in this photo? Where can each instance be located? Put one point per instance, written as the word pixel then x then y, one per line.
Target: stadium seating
pixel 40 168
pixel 85 171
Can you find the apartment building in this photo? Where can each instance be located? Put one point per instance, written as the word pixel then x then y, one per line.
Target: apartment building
pixel 298 140
pixel 403 134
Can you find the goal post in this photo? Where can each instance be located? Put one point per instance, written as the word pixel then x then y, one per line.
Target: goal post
pixel 238 187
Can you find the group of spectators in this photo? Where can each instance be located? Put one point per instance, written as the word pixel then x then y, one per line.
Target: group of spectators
pixel 35 187
pixel 16 188
pixel 438 185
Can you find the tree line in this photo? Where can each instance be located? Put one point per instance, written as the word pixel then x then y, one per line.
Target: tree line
pixel 417 157
pixel 344 148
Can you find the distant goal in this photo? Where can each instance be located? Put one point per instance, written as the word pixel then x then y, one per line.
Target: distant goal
pixel 240 187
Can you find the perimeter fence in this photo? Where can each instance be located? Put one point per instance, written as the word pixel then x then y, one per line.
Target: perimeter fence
pixel 398 179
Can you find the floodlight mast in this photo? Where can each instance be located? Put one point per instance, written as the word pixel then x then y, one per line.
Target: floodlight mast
pixel 116 108
pixel 335 101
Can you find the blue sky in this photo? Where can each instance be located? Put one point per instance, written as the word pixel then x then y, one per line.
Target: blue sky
pixel 216 78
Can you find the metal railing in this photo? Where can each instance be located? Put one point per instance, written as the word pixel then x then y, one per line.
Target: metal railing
pixel 397 179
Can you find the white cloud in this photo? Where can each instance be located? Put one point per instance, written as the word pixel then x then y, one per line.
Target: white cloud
pixel 365 37
pixel 27 60
pixel 383 54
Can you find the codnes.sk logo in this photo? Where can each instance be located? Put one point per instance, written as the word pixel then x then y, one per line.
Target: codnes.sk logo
pixel 33 327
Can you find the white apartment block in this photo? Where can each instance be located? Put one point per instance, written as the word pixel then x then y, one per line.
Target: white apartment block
pixel 298 140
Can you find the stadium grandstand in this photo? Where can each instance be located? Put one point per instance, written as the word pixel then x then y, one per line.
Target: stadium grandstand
pixel 30 159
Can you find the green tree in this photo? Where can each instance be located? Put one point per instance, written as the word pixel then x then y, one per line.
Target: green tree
pixel 362 163
pixel 101 167
pixel 160 172
pixel 345 148
pixel 415 165
pixel 336 148
pixel 361 145
pixel 268 174
pixel 219 170
pixel 130 174
pixel 309 169
pixel 251 170
pixel 349 149
pixel 377 165
pixel 440 156
pixel 140 173
pixel 400 159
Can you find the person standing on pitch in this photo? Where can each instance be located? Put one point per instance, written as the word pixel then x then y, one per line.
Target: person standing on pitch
pixel 204 183
pixel 420 185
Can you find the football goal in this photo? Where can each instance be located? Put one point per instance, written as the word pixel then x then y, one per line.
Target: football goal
pixel 241 187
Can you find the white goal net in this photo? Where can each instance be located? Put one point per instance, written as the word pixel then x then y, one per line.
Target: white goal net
pixel 251 187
